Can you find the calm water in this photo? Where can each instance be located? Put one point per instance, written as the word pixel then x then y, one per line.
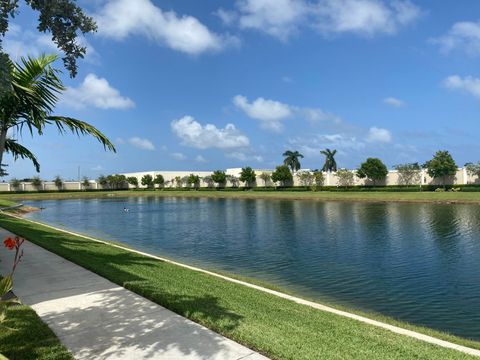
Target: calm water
pixel 417 263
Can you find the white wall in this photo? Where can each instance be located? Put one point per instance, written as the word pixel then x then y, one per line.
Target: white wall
pixel 460 178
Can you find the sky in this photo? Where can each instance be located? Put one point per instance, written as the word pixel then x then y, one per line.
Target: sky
pixel 206 85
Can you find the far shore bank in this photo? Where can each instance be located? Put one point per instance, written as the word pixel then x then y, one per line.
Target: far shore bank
pixel 348 196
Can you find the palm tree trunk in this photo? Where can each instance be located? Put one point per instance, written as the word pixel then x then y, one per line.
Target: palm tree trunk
pixel 3 139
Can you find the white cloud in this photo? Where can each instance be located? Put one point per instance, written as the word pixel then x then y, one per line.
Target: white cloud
pixel 97 168
pixel 287 79
pixel 365 17
pixel 244 157
pixel 278 18
pixel 200 159
pixel 21 43
pixel 394 102
pixel 227 17
pixel 120 141
pixel 269 112
pixel 121 18
pixel 194 134
pixel 318 115
pixel 379 135
pixel 97 92
pixel 178 156
pixel 467 84
pixel 463 35
pixel 140 143
pixel 281 18
pixel 237 155
pixel 311 145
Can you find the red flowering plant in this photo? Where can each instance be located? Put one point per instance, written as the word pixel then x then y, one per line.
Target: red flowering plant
pixel 6 282
pixel 14 243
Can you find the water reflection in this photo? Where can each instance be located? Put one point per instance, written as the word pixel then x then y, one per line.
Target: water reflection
pixel 418 263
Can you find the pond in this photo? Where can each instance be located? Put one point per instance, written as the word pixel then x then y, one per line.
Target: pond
pixel 419 263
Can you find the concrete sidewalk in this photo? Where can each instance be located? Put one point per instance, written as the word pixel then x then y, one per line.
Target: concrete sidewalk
pixel 96 319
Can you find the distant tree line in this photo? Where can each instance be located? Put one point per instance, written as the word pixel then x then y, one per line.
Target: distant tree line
pixel 441 167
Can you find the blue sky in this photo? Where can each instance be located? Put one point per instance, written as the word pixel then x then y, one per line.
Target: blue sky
pixel 205 85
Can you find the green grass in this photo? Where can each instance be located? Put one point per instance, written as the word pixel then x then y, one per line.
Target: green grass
pixel 31 337
pixel 276 327
pixel 459 197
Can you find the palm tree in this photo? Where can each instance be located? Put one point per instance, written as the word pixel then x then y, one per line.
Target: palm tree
pixel 291 160
pixel 330 163
pixel 29 103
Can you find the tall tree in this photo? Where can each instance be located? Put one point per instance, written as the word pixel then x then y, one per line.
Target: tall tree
pixel 373 169
pixel 219 177
pixel 37 183
pixel 147 180
pixel 292 160
pixel 265 177
pixel 102 180
pixel 117 181
pixel 133 180
pixel 178 181
pixel 85 183
pixel 441 166
pixel 64 19
pixel 30 103
pixel 194 181
pixel 408 174
pixel 248 176
pixel 15 183
pixel 282 175
pixel 330 164
pixel 234 180
pixel 159 180
pixel 345 177
pixel 306 178
pixel 209 181
pixel 318 178
pixel 58 182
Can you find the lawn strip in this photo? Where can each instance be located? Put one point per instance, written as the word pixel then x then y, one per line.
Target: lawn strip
pixel 29 337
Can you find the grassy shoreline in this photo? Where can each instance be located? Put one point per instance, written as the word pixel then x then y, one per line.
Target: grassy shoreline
pixel 276 327
pixel 359 196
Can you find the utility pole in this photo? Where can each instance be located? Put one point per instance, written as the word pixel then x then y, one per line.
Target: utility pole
pixel 79 173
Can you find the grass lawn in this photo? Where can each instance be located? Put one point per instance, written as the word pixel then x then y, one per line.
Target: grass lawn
pixel 378 196
pixel 276 327
pixel 31 339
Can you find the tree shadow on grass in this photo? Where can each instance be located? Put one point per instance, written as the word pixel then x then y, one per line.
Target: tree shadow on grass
pixel 30 338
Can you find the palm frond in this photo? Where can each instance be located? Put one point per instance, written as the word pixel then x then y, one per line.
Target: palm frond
pixel 19 151
pixel 79 127
pixel 37 82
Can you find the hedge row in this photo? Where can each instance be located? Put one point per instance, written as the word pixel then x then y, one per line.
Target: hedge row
pixel 385 188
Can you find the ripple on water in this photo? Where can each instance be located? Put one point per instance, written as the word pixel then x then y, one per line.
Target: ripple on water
pixel 416 262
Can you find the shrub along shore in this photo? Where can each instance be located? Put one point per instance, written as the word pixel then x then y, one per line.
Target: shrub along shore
pixel 276 327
